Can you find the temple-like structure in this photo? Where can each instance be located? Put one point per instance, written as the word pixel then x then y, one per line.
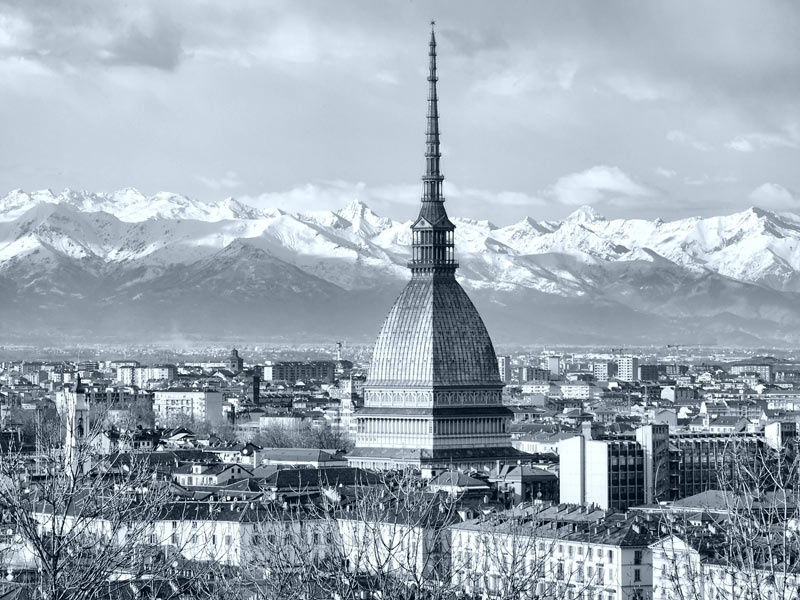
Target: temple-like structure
pixel 433 398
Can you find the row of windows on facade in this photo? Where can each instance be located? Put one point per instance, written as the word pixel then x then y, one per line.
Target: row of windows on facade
pixel 494 581
pixel 446 427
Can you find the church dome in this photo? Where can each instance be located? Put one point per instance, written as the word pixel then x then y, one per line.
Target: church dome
pixel 433 336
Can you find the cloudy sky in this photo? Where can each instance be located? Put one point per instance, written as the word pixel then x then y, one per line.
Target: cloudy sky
pixel 646 109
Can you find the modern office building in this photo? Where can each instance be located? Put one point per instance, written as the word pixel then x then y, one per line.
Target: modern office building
pixel 648 373
pixel 608 473
pixel 648 466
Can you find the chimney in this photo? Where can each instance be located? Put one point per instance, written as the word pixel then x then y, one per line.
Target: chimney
pixel 586 430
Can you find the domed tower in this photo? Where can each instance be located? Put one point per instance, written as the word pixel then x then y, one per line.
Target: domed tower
pixel 433 397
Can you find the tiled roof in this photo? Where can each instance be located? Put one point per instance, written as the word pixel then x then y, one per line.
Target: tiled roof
pixel 433 336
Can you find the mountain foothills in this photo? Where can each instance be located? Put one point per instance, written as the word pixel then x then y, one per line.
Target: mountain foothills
pixel 165 267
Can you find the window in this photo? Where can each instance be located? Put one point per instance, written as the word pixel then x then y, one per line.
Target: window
pixel 610 555
pixel 227 540
pixel 637 574
pixel 637 557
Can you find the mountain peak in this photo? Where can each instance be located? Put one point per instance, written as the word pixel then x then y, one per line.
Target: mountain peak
pixel 362 218
pixel 585 214
pixel 355 209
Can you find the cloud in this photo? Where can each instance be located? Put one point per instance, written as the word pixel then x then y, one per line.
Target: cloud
pixel 398 200
pixel 639 88
pixel 527 74
pixel 229 181
pixel 749 142
pixel 155 44
pixel 775 196
pixel 666 173
pixel 706 179
pixel 600 183
pixel 70 35
pixel 681 137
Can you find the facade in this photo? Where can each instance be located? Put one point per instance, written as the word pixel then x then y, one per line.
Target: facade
pixel 433 397
pixel 530 556
pixel 763 370
pixel 607 473
pixel 527 373
pixel 554 366
pixel 696 566
pixel 317 370
pixel 603 371
pixel 652 465
pixel 648 372
pixel 628 368
pixel 175 405
pixel 504 367
pixel 142 375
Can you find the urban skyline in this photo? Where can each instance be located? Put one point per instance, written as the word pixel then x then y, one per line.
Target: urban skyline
pixel 428 465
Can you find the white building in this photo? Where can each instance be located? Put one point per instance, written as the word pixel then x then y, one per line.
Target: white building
pixel 142 375
pixel 524 557
pixel 504 366
pixel 607 473
pixel 580 390
pixel 628 368
pixel 603 371
pixel 178 404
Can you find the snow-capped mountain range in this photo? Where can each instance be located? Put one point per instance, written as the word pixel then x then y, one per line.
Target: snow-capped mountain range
pixel 125 266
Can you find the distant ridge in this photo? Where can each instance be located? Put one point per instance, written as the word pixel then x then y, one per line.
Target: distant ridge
pixel 135 267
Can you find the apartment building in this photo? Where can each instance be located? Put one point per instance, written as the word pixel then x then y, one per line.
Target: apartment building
pixel 528 555
pixel 175 405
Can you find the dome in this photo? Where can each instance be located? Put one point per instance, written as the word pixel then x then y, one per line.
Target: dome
pixel 433 336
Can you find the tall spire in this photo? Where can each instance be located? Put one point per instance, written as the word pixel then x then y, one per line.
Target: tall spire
pixel 433 176
pixel 433 249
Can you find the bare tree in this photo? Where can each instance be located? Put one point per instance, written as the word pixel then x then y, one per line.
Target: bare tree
pixel 82 529
pixel 744 541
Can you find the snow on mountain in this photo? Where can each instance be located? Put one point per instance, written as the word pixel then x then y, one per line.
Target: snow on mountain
pixel 131 206
pixel 737 272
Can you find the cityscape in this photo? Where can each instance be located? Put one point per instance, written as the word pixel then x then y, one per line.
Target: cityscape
pixel 154 445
